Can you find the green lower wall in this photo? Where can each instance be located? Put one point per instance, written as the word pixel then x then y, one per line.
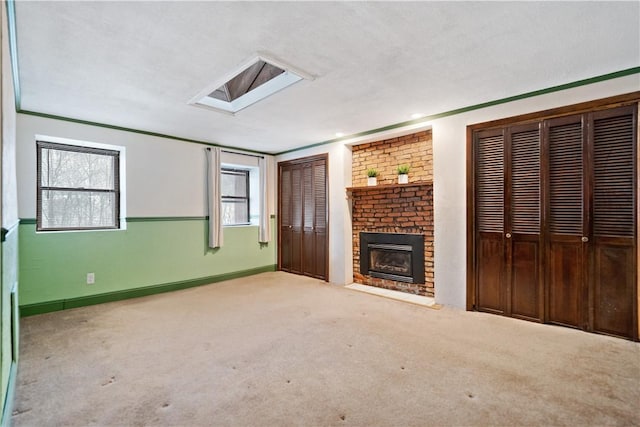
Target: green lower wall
pixel 9 331
pixel 152 253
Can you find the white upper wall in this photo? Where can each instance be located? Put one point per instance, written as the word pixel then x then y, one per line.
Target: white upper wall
pixel 164 177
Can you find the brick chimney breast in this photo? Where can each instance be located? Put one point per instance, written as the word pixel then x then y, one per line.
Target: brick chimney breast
pixel 394 208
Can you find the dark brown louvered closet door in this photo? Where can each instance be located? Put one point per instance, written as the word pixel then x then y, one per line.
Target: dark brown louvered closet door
pixel 555 226
pixel 314 237
pixel 524 248
pixel 320 238
pixel 490 248
pixel 285 220
pixel 303 217
pixel 566 210
pixel 308 215
pixel 290 219
pixel 508 222
pixel 613 247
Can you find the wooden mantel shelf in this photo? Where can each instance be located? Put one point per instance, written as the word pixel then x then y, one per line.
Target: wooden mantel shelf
pixel 387 186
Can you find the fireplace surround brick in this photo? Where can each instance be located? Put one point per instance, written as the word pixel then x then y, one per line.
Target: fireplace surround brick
pixel 385 156
pixel 393 208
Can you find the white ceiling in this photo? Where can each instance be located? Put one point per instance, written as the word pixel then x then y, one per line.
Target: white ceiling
pixel 137 64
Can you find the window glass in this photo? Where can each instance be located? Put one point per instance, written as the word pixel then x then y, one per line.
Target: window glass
pixel 235 196
pixel 234 183
pixel 77 209
pixel 80 170
pixel 234 212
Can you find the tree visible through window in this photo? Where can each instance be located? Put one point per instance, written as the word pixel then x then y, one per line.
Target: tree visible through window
pixel 78 187
pixel 235 197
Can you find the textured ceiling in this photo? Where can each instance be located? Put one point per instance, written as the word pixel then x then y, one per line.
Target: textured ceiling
pixel 137 64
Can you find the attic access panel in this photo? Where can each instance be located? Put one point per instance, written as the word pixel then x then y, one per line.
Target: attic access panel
pixel 253 81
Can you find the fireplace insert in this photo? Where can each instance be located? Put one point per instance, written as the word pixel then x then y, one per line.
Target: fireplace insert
pixel 392 256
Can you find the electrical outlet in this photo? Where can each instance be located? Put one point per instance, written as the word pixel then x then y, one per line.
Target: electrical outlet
pixel 91 278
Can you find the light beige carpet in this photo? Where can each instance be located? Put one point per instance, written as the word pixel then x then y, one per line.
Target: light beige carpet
pixel 283 350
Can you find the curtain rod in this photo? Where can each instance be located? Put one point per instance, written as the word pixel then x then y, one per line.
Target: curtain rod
pixel 240 154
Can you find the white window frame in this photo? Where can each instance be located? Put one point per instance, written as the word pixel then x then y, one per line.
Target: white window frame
pixel 247 172
pixel 83 145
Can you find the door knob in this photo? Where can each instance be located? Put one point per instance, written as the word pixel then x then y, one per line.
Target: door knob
pixel 584 239
pixel 508 235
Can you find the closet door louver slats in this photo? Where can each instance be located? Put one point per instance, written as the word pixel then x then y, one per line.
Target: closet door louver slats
pixel 613 176
pixel 525 178
pixel 296 197
pixel 321 195
pixel 490 183
pixel 285 183
pixel 565 179
pixel 309 202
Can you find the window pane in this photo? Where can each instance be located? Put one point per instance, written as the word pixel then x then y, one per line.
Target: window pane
pixel 78 209
pixel 69 169
pixel 235 212
pixel 234 184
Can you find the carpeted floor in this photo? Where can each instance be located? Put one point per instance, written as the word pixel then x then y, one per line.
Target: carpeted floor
pixel 283 350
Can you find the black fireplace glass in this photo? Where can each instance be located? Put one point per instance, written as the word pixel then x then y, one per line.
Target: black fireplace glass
pixel 393 256
pixel 390 259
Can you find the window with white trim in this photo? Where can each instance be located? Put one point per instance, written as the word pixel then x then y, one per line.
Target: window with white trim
pixel 78 187
pixel 235 190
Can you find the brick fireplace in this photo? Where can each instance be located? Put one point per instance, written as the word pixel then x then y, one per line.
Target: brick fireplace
pixel 397 209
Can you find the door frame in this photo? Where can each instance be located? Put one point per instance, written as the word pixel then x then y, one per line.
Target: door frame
pixel 308 159
pixel 589 106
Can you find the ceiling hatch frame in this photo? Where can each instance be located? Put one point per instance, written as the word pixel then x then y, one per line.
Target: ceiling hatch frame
pixel 286 77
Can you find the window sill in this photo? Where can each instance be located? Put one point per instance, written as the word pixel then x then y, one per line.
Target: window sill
pixel 240 225
pixel 123 227
pixel 98 230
